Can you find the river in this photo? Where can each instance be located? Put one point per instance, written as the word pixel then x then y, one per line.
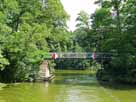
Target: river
pixel 67 86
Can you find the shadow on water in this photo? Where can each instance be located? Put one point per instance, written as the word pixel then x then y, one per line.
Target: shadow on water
pixel 89 80
pixel 90 84
pixel 83 79
pixel 117 86
pixel 74 73
pixel 76 79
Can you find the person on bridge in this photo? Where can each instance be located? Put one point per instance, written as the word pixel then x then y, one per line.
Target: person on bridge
pixel 54 56
pixel 94 56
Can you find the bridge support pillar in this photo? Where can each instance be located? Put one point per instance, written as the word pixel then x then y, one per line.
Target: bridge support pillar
pixel 44 73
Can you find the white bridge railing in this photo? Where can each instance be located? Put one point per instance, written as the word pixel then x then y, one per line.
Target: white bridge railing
pixel 76 55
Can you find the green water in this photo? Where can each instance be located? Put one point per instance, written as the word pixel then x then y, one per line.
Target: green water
pixel 68 86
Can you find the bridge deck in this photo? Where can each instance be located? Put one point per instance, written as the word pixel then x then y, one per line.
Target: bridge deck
pixel 84 55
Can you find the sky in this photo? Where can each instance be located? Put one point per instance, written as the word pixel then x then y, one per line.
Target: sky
pixel 73 7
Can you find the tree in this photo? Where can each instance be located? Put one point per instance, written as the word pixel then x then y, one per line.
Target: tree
pixel 27 30
pixel 112 32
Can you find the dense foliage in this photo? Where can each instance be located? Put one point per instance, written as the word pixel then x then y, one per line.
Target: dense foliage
pixel 28 30
pixel 112 32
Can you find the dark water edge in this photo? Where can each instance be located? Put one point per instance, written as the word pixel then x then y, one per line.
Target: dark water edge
pixel 117 85
pixel 68 86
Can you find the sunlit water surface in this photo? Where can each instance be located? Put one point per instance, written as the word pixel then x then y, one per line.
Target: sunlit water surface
pixel 67 87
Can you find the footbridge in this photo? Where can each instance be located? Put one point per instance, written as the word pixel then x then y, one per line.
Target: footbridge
pixel 44 73
pixel 78 55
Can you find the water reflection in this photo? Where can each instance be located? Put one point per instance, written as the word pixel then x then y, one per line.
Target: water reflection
pixel 66 88
pixel 46 84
